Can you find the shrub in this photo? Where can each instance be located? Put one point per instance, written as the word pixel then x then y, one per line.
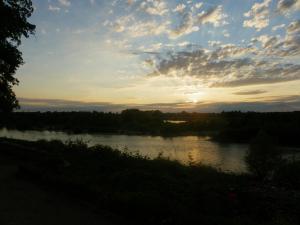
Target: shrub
pixel 263 157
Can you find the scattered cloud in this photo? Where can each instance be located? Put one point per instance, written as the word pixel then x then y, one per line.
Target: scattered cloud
pixel 184 44
pixel 154 7
pixel 53 8
pixel 188 20
pixel 277 27
pixel 258 15
pixel 130 2
pixel 133 28
pixel 120 24
pixel 151 49
pixel 65 2
pixel 150 28
pixel 294 27
pixel 118 27
pixel 286 6
pixel 254 92
pixel 179 8
pixel 199 5
pixel 185 27
pixel 214 15
pixel 282 47
pixel 214 43
pixel 226 66
pixel 226 33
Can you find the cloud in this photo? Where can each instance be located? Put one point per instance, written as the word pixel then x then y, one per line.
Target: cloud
pixel 118 27
pixel 229 51
pixel 254 92
pixel 291 44
pixel 214 43
pixel 130 2
pixel 226 33
pixel 53 8
pixel 149 28
pixel 120 24
pixel 277 27
pixel 285 6
pixel 123 45
pixel 267 41
pixel 284 104
pixel 154 7
pixel 280 47
pixel 183 44
pixel 151 49
pixel 188 21
pixel 179 8
pixel 279 104
pixel 294 27
pixel 185 27
pixel 64 2
pixel 259 15
pixel 284 47
pixel 213 16
pixel 226 66
pixel 138 28
pixel 44 105
pixel 199 5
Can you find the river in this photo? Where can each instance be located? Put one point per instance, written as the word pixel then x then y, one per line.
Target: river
pixel 197 149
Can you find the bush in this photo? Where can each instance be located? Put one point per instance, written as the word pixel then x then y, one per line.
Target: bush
pixel 288 175
pixel 263 157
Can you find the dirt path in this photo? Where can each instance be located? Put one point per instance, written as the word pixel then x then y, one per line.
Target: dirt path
pixel 23 203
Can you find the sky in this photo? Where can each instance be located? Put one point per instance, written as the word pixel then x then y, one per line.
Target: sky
pixel 206 56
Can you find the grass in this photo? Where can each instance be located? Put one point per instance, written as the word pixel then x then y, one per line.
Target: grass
pixel 157 191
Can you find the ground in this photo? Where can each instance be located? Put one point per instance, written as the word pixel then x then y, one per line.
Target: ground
pixel 24 203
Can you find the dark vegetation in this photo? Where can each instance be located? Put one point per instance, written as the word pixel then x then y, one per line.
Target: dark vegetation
pixel 147 191
pixel 158 191
pixel 13 26
pixel 284 127
pixel 263 157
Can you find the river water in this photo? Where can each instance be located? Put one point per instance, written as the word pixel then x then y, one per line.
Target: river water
pixel 197 149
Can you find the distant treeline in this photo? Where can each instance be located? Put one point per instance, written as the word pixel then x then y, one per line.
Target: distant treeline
pixel 237 126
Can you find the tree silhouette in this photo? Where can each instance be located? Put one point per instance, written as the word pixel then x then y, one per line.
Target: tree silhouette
pixel 13 25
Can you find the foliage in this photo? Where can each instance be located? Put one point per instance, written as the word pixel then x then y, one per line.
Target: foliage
pixel 288 175
pixel 155 191
pixel 13 25
pixel 263 157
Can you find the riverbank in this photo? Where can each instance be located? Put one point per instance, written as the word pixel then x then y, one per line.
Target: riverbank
pixel 155 191
pixel 23 202
pixel 227 157
pixel 237 127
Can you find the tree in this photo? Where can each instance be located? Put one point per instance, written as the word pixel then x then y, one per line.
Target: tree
pixel 13 25
pixel 263 157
